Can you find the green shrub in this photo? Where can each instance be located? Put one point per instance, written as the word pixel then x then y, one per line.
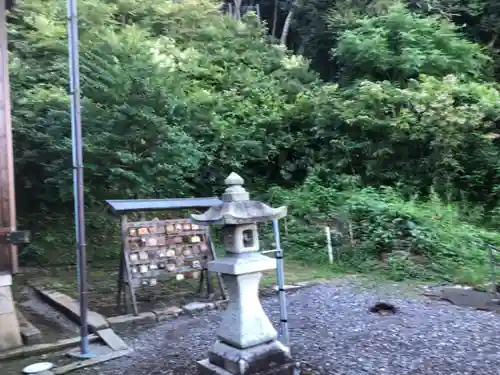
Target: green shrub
pixel 403 238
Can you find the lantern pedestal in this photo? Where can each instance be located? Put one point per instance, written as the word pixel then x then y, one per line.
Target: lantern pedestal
pixel 247 341
pixel 267 359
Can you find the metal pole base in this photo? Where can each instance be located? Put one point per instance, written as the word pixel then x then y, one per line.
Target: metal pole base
pixel 77 354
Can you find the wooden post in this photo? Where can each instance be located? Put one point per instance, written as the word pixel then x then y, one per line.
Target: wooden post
pixel 129 289
pixel 10 336
pixel 8 253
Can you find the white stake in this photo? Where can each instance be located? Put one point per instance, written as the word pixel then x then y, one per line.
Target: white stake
pixel 329 244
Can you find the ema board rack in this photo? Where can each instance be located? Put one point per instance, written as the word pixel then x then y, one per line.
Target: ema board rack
pixel 161 249
pixel 165 248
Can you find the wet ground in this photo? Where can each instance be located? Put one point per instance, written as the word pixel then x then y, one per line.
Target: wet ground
pixel 333 332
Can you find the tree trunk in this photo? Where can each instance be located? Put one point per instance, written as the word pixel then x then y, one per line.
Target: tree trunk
pixel 286 27
pixel 237 9
pixel 275 18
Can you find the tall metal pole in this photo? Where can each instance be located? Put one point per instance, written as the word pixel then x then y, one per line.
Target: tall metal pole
pixel 76 135
pixel 280 271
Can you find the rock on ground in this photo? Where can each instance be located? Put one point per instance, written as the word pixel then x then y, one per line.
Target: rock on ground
pixel 334 332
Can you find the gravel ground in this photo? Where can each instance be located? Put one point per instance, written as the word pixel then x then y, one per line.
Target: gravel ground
pixel 333 332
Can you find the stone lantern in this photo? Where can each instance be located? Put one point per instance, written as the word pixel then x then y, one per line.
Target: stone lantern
pixel 246 340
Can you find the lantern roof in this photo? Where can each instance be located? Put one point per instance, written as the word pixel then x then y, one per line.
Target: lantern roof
pixel 237 208
pixel 123 206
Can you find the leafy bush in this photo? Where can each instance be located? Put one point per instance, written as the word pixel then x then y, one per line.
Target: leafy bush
pixel 404 238
pixel 439 244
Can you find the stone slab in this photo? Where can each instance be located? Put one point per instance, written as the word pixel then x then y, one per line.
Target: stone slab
pixel 167 313
pixel 130 318
pixel 255 360
pixel 10 335
pixel 112 339
pixel 71 308
pixel 29 333
pixel 197 306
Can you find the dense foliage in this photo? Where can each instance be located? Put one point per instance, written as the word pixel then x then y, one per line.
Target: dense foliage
pixel 381 101
pixel 165 113
pixel 433 133
pixel 377 229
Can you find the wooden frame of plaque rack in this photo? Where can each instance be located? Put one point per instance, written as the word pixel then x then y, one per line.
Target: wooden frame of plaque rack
pixel 160 249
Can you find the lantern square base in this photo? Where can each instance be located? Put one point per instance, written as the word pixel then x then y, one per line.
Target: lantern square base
pixel 267 359
pixel 206 368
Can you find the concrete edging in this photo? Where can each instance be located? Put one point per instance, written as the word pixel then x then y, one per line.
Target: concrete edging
pixel 172 312
pixel 39 349
pixel 129 318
